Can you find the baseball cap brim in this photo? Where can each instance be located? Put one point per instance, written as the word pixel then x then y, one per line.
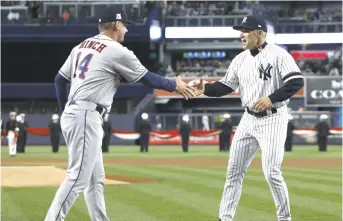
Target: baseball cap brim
pixel 127 21
pixel 240 27
pixel 124 21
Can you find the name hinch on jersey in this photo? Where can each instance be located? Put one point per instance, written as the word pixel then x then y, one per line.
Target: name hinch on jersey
pixel 95 45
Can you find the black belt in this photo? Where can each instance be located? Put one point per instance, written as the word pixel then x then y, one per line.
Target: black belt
pixel 98 108
pixel 261 114
pixel 101 110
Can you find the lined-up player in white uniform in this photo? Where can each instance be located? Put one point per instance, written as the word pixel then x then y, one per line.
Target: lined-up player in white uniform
pixel 95 68
pixel 266 76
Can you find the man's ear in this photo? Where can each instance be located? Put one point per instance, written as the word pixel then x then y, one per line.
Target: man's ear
pixel 115 25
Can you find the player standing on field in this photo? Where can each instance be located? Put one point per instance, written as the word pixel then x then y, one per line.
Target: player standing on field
pixel 95 68
pixel 267 76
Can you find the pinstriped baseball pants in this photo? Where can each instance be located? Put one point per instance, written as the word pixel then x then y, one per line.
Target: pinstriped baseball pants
pixel 268 133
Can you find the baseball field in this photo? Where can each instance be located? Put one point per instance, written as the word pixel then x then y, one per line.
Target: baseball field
pixel 168 185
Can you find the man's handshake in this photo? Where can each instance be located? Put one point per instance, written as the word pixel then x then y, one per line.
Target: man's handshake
pixel 189 91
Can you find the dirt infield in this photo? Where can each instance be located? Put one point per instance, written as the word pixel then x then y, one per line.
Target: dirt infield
pixel 300 162
pixel 35 176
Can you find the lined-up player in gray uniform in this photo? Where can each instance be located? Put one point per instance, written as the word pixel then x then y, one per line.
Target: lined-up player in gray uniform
pixel 266 76
pixel 95 68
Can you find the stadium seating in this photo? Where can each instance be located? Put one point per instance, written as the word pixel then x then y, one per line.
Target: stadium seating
pixel 331 66
pixel 289 17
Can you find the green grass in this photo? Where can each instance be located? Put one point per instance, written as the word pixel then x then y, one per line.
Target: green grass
pixel 188 193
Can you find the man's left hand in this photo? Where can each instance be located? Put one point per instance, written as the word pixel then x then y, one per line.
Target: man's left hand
pixel 262 104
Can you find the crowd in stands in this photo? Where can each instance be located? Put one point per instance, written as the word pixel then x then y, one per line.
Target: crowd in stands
pixel 51 14
pixel 194 8
pixel 317 13
pixel 199 68
pixel 332 66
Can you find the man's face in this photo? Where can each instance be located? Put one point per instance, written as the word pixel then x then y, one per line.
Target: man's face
pixel 249 38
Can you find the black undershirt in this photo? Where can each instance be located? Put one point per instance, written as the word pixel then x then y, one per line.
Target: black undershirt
pixel 291 87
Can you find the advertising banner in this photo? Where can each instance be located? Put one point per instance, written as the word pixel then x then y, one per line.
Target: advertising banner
pixel 323 91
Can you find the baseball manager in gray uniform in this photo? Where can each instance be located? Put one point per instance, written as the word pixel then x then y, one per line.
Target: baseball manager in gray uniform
pixel 95 68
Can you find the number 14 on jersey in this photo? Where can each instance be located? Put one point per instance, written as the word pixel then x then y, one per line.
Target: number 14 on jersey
pixel 83 65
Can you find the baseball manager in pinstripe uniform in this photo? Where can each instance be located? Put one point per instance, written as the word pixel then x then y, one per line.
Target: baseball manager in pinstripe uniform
pixel 266 76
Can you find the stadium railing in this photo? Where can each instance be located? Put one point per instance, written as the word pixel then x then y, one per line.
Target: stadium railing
pixel 210 20
pixel 230 20
pixel 310 27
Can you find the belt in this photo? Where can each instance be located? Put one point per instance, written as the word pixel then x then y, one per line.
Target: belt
pixel 87 104
pixel 261 114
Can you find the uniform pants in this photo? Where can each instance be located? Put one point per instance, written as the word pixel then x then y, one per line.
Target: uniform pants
pixel 224 142
pixel 269 134
pixel 289 143
pixel 144 143
pixel 82 130
pixel 105 143
pixel 12 143
pixel 185 142
pixel 322 143
pixel 55 143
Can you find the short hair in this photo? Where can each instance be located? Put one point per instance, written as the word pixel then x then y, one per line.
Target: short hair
pixel 104 26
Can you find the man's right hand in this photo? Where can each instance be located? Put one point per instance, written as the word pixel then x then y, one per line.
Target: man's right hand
pixel 199 88
pixel 184 89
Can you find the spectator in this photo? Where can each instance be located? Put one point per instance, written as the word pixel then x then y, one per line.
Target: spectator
pixel 33 10
pixel 65 16
pixel 334 72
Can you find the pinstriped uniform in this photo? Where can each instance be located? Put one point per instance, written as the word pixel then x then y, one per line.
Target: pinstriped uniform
pixel 255 77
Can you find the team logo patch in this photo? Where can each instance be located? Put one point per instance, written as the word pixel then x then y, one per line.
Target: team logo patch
pixel 265 72
pixel 118 16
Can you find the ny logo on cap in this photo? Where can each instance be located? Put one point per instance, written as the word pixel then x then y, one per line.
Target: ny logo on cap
pixel 244 19
pixel 118 16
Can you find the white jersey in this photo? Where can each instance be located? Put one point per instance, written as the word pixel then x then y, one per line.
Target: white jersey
pixel 260 75
pixel 95 68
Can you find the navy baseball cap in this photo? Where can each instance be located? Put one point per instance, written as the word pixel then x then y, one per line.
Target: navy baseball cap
pixel 253 23
pixel 113 14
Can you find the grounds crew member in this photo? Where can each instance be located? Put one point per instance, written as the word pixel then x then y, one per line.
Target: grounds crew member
pixel 323 132
pixel 12 133
pixel 20 139
pixel 185 130
pixel 144 131
pixel 25 124
pixel 55 132
pixel 107 134
pixel 289 138
pixel 225 134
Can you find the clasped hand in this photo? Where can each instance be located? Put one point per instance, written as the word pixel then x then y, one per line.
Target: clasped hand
pixel 184 89
pixel 189 91
pixel 198 89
